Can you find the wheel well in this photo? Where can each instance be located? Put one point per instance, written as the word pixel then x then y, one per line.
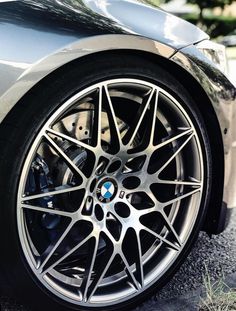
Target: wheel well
pixel 214 212
pixel 213 223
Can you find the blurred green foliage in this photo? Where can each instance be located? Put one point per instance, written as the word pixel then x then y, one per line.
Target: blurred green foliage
pixel 153 2
pixel 214 25
pixel 207 4
pixel 210 4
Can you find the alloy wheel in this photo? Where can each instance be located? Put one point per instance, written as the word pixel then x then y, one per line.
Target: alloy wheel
pixel 110 191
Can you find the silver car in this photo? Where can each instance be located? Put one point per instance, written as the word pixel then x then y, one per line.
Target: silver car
pixel 116 133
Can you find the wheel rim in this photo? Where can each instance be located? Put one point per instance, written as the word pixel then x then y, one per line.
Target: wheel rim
pixel 110 192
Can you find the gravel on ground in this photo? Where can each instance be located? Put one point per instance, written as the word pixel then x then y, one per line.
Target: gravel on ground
pixel 217 254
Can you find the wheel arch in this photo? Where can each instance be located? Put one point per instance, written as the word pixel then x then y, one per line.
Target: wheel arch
pixel 212 224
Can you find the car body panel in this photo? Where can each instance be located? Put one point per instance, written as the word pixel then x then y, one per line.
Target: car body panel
pixel 37 38
pixel 147 21
pixel 222 94
pixel 42 36
pixel 219 89
pixel 229 40
pixel 22 76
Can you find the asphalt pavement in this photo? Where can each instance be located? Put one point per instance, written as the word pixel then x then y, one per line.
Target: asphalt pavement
pixel 216 254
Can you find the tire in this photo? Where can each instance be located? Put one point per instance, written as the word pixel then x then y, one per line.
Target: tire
pixel 147 185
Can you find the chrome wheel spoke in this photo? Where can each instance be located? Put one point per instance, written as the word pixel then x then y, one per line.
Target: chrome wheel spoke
pixel 171 228
pixel 89 269
pixel 151 127
pixel 47 210
pixel 71 139
pixel 114 129
pixel 100 274
pixel 180 182
pixel 178 150
pixel 159 237
pixel 97 127
pixel 129 271
pixel 132 132
pixel 67 160
pixel 85 240
pixel 166 220
pixel 174 138
pixel 139 260
pixel 45 257
pixel 56 191
pixel 180 197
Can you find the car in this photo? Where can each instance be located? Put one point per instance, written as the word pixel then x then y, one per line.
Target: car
pixel 116 134
pixel 229 40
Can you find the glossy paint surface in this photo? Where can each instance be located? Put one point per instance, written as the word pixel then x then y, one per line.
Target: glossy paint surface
pixel 37 37
pixel 93 17
pixel 222 94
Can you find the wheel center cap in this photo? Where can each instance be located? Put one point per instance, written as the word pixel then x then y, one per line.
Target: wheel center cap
pixel 107 190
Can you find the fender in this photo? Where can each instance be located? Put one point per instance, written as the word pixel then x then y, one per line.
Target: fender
pixel 222 96
pixel 24 75
pixel 36 38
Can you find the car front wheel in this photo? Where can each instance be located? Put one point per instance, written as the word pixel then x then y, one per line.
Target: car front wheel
pixel 106 175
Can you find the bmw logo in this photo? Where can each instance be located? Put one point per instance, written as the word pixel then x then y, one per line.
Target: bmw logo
pixel 106 190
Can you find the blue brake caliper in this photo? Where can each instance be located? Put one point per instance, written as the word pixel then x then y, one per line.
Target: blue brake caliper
pixel 39 181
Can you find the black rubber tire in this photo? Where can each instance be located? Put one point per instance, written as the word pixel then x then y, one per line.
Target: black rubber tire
pixel 17 133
